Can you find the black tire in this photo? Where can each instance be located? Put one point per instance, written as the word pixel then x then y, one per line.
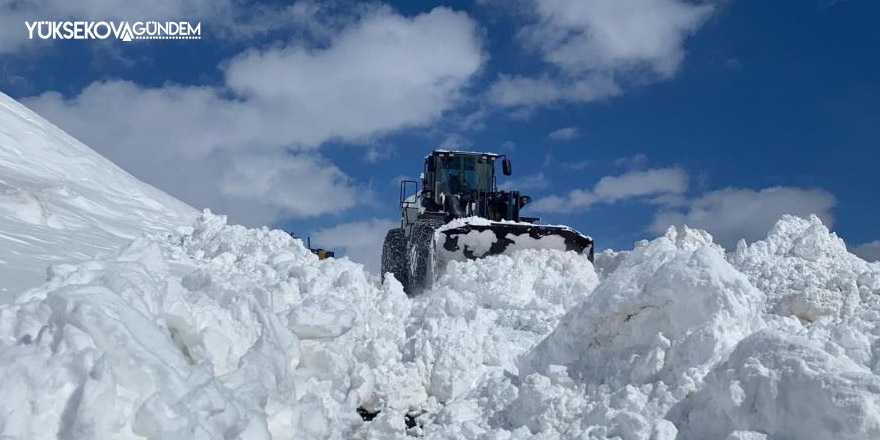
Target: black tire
pixel 394 257
pixel 421 259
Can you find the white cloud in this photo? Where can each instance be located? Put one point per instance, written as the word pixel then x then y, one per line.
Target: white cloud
pixel 868 251
pixel 595 48
pixel 299 185
pixel 608 35
pixel 641 183
pixel 579 165
pixel 224 147
pixel 516 91
pixel 395 182
pixel 564 134
pixel 637 161
pixel 611 189
pixel 733 63
pixel 383 73
pixel 525 183
pixel 456 141
pixel 360 241
pixel 734 213
pixel 376 153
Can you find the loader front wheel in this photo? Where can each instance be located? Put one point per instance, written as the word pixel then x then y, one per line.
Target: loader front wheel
pixel 421 259
pixel 394 257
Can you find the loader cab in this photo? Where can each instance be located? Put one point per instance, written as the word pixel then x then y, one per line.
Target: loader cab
pixel 456 184
pixel 457 173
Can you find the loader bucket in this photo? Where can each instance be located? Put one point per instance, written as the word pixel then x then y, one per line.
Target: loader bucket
pixel 472 241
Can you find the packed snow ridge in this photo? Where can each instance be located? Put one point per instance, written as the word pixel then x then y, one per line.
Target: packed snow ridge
pixel 197 329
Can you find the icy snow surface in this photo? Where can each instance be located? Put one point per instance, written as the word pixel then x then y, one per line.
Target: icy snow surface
pixel 62 202
pixel 214 331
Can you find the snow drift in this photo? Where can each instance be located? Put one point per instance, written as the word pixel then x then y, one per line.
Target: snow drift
pixel 155 322
pixel 786 387
pixel 62 202
pixel 807 271
pixel 217 332
pixel 671 307
pixel 678 342
pixel 482 314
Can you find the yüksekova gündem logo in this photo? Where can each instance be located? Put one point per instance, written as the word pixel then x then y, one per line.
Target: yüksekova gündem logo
pixel 122 30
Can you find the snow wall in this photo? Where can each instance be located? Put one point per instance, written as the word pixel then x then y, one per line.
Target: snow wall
pixel 222 332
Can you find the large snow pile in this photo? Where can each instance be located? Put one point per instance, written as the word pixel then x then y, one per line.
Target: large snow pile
pixel 807 271
pixel 219 332
pixel 62 202
pixel 643 340
pixel 786 387
pixel 678 342
pixel 481 315
pixel 671 307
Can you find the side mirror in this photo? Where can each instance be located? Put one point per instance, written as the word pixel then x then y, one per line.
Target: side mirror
pixel 506 167
pixel 432 165
pixel 524 200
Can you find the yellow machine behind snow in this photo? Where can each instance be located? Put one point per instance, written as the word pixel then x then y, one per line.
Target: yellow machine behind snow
pixel 322 253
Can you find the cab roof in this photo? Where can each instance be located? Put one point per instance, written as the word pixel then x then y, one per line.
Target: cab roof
pixel 463 153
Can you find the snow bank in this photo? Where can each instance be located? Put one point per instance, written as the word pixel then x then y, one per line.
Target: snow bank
pixel 675 306
pixel 808 274
pixel 814 373
pixel 678 343
pixel 807 271
pixel 642 341
pixel 218 332
pixel 785 387
pixel 481 315
pixel 62 202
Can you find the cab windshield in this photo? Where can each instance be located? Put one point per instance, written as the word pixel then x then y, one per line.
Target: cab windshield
pixel 464 174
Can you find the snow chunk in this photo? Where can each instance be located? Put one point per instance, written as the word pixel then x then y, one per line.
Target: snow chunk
pixel 607 261
pixel 785 387
pixel 806 270
pixel 482 314
pixel 671 311
pixel 321 318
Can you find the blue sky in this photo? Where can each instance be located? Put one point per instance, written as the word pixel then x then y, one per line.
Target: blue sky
pixel 621 117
